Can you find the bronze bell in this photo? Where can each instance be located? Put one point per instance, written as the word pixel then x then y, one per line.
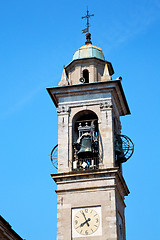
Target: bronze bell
pixel 86 146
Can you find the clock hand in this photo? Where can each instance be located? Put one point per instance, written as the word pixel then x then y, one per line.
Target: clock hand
pixel 85 218
pixel 84 215
pixel 81 225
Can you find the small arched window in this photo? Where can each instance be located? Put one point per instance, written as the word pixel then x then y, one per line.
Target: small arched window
pixel 86 75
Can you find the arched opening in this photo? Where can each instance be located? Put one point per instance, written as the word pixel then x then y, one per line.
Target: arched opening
pixel 86 75
pixel 85 141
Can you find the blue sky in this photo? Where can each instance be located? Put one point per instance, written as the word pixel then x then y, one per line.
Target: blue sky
pixel 36 39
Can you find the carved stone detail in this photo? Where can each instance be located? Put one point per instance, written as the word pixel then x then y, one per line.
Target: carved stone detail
pixel 63 109
pixel 105 105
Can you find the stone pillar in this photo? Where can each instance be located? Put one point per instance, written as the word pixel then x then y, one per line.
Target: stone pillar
pixel 63 128
pixel 106 135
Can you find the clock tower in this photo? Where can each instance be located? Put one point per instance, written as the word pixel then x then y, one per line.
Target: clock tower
pixel 91 149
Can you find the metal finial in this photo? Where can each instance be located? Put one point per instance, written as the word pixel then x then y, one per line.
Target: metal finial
pixel 88 38
pixel 87 16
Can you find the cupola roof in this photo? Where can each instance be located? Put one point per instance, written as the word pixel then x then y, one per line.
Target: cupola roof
pixel 88 51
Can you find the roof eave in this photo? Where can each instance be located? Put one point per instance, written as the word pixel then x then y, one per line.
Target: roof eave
pixel 65 88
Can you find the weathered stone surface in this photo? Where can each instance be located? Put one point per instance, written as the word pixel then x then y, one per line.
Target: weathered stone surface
pixel 104 188
pixel 99 70
pixel 106 100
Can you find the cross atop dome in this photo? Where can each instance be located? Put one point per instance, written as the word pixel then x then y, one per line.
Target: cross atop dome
pixel 86 30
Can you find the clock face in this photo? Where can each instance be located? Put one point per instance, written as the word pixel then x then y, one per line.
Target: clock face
pixel 86 221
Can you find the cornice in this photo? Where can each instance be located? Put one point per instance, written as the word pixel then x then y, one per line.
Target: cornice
pixel 89 176
pixel 112 86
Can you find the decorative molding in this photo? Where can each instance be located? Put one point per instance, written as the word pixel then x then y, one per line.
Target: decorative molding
pixel 105 105
pixel 89 176
pixel 63 109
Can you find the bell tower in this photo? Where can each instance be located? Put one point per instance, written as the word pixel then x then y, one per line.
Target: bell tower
pixel 90 185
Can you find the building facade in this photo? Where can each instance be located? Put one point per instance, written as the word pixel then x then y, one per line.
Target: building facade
pixel 6 231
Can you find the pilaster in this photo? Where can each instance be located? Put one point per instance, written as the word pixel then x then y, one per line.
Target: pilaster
pixel 63 138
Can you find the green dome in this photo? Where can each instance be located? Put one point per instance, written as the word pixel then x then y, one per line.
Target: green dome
pixel 88 51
